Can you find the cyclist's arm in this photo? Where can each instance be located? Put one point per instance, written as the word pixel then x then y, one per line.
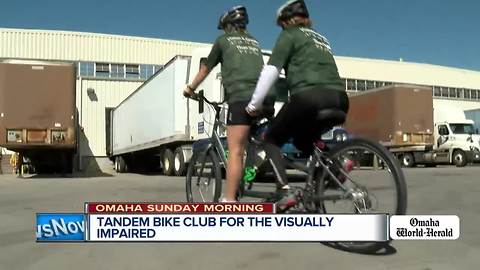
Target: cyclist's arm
pixel 213 59
pixel 270 72
pixel 201 75
pixel 268 76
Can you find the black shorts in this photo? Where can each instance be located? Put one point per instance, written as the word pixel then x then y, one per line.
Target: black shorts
pixel 237 115
pixel 297 118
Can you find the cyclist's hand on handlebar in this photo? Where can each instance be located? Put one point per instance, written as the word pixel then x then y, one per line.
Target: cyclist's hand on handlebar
pixel 188 92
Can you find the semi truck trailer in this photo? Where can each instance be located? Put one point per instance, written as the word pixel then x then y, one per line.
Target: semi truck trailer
pixel 403 118
pixel 155 126
pixel 38 113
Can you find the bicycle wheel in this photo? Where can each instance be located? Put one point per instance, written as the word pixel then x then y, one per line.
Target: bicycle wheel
pixel 375 180
pixel 204 177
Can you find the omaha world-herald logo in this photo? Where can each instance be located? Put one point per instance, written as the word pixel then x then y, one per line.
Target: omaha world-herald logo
pixel 60 227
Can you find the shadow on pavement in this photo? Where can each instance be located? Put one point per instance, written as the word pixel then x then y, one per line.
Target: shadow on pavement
pixel 79 175
pixel 383 250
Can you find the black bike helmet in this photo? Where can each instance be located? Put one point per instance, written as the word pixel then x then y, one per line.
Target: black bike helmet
pixel 290 9
pixel 236 16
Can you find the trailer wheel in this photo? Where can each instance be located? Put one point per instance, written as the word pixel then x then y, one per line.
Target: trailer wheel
pixel 121 164
pixel 459 158
pixel 115 165
pixel 179 166
pixel 167 162
pixel 407 160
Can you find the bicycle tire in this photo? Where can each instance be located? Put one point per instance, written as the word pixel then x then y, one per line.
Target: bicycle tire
pixel 399 180
pixel 196 162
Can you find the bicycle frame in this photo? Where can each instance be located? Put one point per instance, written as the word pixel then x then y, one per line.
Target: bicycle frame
pixel 215 142
pixel 311 183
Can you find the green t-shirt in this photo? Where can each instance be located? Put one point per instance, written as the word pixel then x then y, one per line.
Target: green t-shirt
pixel 241 59
pixel 307 59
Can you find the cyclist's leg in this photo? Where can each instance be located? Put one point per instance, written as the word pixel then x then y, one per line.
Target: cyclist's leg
pixel 274 156
pixel 237 138
pixel 279 131
pixel 238 128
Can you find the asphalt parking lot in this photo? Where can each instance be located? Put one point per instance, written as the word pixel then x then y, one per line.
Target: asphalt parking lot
pixel 442 190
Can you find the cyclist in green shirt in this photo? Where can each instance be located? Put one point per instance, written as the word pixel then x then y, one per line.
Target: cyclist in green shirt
pixel 241 59
pixel 311 74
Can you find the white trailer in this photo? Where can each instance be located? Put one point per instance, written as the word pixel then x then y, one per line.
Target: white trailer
pixel 156 125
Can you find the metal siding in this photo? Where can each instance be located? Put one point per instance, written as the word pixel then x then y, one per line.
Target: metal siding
pixel 74 46
pixel 406 72
pixel 462 104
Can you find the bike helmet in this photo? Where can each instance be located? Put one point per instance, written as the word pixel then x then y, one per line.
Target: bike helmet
pixel 292 8
pixel 236 16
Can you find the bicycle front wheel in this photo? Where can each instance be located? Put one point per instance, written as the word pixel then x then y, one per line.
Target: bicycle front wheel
pixel 373 180
pixel 204 177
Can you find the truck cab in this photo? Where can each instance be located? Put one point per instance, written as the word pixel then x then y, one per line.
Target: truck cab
pixel 455 140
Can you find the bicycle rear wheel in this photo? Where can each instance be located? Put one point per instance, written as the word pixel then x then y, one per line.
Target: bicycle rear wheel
pixel 204 177
pixel 376 182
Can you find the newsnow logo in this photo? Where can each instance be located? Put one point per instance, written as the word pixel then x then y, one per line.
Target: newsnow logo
pixel 60 227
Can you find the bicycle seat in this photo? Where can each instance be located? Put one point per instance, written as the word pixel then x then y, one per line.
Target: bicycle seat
pixel 333 115
pixel 328 118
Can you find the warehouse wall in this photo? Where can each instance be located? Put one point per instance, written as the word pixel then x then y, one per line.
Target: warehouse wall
pixel 76 46
pixel 406 72
pixel 93 97
pixel 462 104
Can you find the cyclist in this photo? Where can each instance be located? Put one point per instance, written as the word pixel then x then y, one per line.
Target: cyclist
pixel 312 77
pixel 241 59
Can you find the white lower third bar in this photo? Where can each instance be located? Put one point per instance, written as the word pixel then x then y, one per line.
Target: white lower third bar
pixel 237 228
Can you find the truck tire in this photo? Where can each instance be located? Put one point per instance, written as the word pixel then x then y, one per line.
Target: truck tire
pixel 407 160
pixel 179 164
pixel 122 165
pixel 115 165
pixel 167 162
pixel 459 158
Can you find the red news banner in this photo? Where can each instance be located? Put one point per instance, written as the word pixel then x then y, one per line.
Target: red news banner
pixel 170 208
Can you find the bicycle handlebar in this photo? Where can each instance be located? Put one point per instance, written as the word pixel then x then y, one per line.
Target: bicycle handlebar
pixel 200 97
pixel 267 112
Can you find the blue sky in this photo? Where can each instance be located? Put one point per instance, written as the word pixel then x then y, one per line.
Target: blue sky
pixel 443 32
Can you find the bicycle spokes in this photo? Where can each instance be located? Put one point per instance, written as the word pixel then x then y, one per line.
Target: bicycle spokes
pixel 203 177
pixel 364 178
pixel 363 201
